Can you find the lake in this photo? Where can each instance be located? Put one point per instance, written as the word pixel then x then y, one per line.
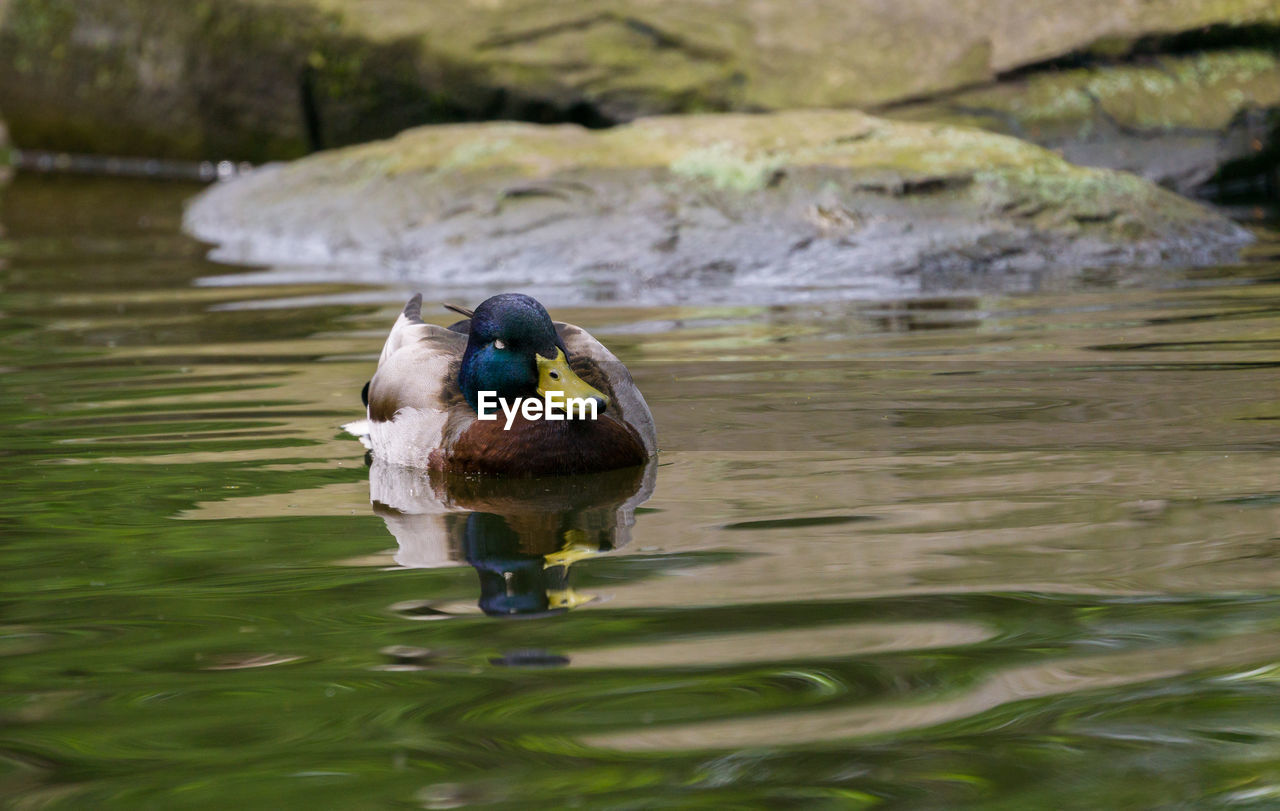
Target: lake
pixel 986 550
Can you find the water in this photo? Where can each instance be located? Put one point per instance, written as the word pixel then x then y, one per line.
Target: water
pixel 983 551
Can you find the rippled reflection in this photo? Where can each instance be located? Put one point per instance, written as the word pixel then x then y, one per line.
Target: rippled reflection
pixel 521 535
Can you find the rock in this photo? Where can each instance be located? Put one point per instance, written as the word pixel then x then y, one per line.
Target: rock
pixel 217 79
pixel 1177 121
pixel 792 205
pixel 258 79
pixel 627 59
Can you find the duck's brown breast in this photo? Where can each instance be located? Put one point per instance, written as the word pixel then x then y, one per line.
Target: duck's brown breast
pixel 543 447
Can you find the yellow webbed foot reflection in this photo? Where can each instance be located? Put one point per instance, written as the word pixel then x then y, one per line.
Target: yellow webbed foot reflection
pixel 568 598
pixel 577 546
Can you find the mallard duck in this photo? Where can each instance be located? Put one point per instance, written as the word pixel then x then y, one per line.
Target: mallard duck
pixel 422 403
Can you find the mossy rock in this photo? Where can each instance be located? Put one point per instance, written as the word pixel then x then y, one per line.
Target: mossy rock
pixel 1173 119
pixel 627 59
pixel 209 79
pixel 786 204
pixel 264 79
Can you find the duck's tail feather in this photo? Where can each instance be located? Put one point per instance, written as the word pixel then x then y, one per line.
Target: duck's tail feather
pixel 413 309
pixel 360 429
pixel 457 309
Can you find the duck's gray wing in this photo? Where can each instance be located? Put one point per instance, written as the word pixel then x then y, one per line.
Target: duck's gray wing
pixel 599 367
pixel 418 367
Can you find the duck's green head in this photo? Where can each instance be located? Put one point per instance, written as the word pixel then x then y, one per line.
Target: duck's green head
pixel 513 349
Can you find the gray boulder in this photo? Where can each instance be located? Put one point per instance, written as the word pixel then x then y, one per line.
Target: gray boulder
pixel 801 204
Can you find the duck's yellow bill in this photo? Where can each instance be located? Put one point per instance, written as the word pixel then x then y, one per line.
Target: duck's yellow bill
pixel 554 374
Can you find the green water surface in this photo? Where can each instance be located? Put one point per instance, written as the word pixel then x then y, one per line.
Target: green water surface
pixel 956 552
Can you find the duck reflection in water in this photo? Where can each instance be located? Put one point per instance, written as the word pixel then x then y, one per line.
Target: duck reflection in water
pixel 521 535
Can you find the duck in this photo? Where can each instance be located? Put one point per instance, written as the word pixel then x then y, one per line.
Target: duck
pixel 432 386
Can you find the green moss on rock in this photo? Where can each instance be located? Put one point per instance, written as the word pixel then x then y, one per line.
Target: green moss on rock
pixel 1201 92
pixel 1168 117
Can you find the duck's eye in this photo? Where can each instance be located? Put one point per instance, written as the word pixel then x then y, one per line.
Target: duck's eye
pixel 499 344
pixel 554 375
